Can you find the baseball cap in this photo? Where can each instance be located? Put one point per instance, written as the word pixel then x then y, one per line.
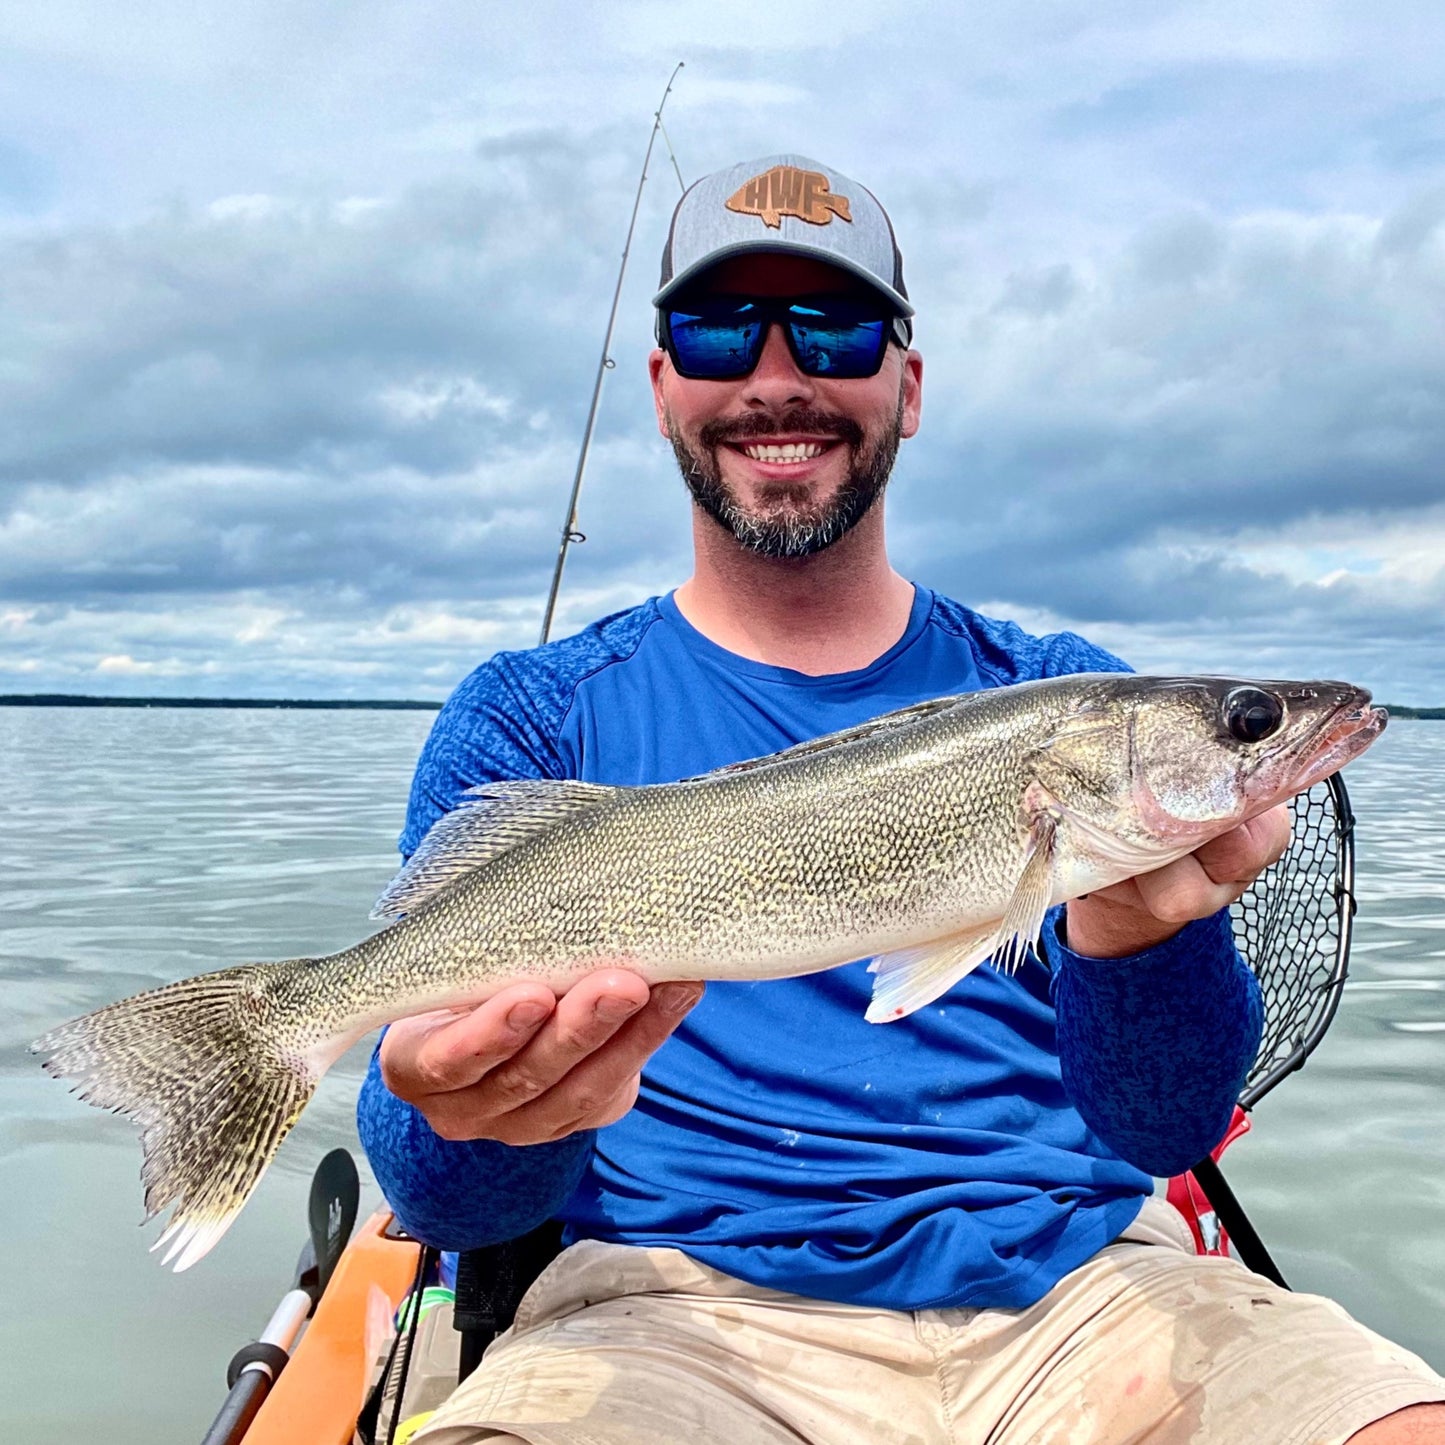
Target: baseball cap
pixel 787 204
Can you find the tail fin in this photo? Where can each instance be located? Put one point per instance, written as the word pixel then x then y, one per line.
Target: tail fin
pixel 207 1069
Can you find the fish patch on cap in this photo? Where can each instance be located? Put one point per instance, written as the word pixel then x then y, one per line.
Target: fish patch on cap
pixel 789 191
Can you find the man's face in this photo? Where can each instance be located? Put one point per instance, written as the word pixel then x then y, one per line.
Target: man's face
pixel 787 463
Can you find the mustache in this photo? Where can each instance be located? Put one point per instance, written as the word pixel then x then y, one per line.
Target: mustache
pixel 809 420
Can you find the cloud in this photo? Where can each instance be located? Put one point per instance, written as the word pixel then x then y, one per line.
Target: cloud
pixel 126 666
pixel 1129 421
pixel 280 332
pixel 294 372
pixel 343 406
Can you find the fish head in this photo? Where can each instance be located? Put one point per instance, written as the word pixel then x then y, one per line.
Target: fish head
pixel 1163 764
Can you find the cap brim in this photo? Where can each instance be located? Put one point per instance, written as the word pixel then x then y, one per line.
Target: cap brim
pixel 680 282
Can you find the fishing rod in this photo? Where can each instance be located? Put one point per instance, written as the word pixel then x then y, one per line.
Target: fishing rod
pixel 570 533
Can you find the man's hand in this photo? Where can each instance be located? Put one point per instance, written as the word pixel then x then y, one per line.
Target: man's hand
pixel 527 1067
pixel 1134 915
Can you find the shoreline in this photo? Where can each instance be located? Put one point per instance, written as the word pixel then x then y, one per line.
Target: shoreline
pixel 65 699
pixel 83 700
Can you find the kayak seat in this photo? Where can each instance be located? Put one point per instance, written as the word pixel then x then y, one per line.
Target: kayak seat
pixel 490 1284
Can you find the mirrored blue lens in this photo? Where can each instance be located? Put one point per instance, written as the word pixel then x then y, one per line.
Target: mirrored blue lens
pixel 722 337
pixel 716 341
pixel 840 341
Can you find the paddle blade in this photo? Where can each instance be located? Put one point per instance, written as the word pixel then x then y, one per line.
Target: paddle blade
pixel 331 1212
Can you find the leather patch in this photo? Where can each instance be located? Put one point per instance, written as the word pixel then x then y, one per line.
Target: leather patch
pixel 788 191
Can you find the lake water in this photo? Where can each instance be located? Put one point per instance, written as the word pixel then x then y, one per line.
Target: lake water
pixel 140 845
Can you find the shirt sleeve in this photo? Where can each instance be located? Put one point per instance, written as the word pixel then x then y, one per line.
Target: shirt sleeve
pixel 1155 1047
pixel 493 727
pixel 464 1194
pixel 1066 653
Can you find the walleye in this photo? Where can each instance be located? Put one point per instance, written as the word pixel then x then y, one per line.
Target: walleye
pixel 929 839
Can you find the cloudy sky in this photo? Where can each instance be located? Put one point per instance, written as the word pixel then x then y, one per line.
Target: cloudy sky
pixel 302 303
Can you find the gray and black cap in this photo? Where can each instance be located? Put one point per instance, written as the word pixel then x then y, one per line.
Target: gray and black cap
pixel 787 204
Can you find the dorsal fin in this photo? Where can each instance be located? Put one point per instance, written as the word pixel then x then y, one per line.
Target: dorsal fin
pixel 901 718
pixel 492 818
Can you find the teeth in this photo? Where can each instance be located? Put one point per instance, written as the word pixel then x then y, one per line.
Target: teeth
pixel 789 452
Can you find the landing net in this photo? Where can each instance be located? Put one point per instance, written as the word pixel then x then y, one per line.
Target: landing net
pixel 1293 928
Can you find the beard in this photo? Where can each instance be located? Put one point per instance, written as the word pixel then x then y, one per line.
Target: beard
pixel 788 523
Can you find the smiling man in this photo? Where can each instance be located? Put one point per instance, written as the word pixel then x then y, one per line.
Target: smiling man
pixel 787 1224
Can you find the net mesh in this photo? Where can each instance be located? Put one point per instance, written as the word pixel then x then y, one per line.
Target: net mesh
pixel 1293 928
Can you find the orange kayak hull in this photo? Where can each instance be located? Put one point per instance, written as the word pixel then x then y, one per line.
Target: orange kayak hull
pixel 320 1392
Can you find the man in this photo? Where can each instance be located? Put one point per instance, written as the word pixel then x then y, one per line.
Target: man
pixel 796 1226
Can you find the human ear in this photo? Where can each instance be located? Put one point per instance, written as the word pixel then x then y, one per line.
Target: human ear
pixel 656 365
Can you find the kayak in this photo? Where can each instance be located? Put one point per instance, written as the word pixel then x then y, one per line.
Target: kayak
pixel 375 1331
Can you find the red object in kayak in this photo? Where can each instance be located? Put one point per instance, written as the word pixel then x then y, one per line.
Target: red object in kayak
pixel 1190 1200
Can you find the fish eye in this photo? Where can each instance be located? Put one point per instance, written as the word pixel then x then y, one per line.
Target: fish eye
pixel 1251 714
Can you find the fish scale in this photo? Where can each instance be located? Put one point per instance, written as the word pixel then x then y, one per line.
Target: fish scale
pixel 930 839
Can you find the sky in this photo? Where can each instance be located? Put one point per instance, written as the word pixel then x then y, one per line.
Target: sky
pixel 302 305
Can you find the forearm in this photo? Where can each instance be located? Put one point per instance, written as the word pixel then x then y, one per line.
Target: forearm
pixel 462 1194
pixel 1155 1046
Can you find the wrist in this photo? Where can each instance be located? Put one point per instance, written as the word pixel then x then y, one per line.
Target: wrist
pixel 1097 928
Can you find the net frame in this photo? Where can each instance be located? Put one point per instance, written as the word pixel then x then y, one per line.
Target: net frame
pixel 1293 926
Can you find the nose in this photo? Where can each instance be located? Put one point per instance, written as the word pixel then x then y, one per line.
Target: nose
pixel 776 382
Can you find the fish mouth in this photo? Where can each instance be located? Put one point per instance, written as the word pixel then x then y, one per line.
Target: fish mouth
pixel 1343 740
pixel 1345 731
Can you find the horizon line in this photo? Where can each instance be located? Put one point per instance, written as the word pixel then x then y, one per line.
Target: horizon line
pixel 82 699
pixel 376 704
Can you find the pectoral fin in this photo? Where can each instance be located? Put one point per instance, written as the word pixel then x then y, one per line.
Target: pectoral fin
pixel 909 978
pixel 1023 919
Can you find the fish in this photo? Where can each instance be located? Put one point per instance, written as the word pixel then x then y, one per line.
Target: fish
pixel 927 840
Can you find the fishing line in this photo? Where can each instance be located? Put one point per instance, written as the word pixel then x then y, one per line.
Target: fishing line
pixel 428 1257
pixel 369 1418
pixel 667 141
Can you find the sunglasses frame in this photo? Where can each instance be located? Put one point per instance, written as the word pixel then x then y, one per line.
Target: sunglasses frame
pixel 776 311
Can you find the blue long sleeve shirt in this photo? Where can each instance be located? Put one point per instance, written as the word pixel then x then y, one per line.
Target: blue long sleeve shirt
pixel 970 1154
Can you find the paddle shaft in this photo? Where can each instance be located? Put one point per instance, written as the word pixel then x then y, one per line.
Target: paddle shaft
pixel 255 1367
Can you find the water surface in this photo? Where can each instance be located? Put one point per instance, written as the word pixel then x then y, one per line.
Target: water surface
pixel 141 845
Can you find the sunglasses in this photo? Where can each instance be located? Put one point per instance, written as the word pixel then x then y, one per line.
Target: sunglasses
pixel 720 338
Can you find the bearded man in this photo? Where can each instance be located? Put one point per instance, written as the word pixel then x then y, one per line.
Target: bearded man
pixel 785 1224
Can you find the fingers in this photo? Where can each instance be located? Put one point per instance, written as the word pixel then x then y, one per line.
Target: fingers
pixel 587 1018
pixel 1127 917
pixel 1182 891
pixel 1210 878
pixel 439 1052
pixel 561 1083
pixel 526 1067
pixel 1242 855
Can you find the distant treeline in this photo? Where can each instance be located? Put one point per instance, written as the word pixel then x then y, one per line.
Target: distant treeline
pixel 69 699
pixel 381 704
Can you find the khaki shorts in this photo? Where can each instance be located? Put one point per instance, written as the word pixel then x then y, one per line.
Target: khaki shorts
pixel 616 1345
